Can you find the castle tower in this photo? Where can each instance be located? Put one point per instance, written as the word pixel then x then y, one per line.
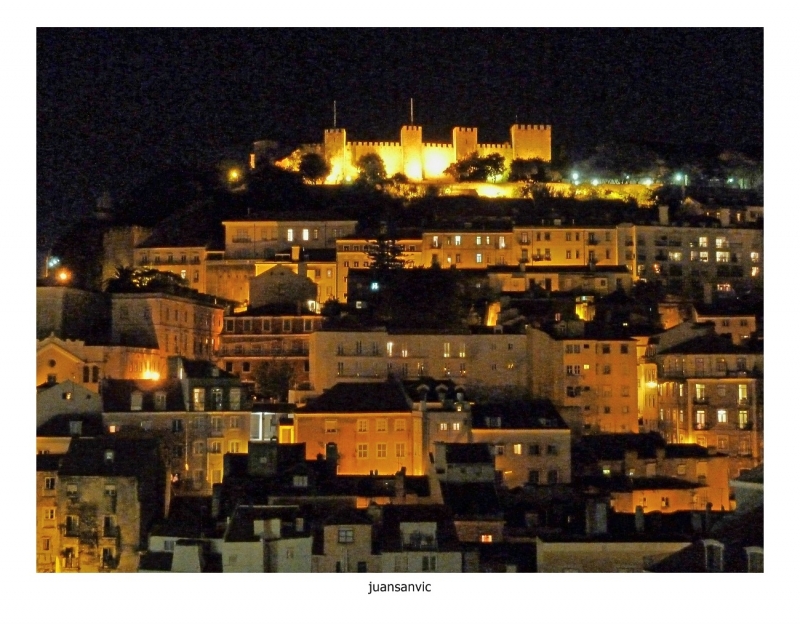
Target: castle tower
pixel 335 152
pixel 411 143
pixel 530 141
pixel 465 142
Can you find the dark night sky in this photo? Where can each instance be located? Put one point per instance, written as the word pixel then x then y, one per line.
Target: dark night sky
pixel 114 106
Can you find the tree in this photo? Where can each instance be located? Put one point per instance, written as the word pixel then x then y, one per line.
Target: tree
pixel 476 168
pixel 528 169
pixel 274 378
pixel 371 169
pixel 313 167
pixel 385 254
pixel 130 279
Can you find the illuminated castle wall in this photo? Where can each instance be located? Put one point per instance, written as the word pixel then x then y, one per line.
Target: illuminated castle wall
pixel 419 160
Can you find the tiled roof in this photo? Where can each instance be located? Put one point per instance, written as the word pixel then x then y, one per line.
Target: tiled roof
pixel 48 463
pixel 390 538
pixel 712 345
pixel 518 414
pixel 132 457
pixel 241 527
pixel 350 398
pixel 189 517
pixel 458 453
pixel 467 500
pixel 116 394
pixel 59 425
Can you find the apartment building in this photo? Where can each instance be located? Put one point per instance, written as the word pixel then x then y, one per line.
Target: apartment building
pixel 591 378
pixel 470 359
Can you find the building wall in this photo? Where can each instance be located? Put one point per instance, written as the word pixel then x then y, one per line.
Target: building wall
pixel 610 404
pixel 517 455
pixel 119 248
pixel 563 245
pixel 48 534
pixel 466 249
pixel 188 262
pixel 189 442
pixel 92 505
pixel 247 342
pixel 172 324
pixel 230 279
pixel 66 398
pixel 70 313
pixel 601 557
pixel 359 438
pixel 73 360
pixel 324 274
pixel 481 360
pixel 348 555
pixel 289 555
pixel 419 160
pixel 701 262
pixel 262 239
pixel 414 562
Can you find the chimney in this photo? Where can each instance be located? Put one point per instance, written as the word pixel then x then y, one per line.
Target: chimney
pixel 663 215
pixel 639 519
pixel 400 484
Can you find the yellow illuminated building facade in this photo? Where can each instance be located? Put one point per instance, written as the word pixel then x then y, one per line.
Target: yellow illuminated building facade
pixel 420 160
pixel 591 381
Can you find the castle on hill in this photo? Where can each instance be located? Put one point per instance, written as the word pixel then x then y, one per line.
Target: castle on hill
pixel 419 160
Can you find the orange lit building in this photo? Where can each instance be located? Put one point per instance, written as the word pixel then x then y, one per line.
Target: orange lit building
pixel 710 393
pixel 371 426
pixel 591 379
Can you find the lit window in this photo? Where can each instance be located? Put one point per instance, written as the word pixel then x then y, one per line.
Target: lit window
pixel 442 426
pixel 518 449
pixel 479 258
pixel 722 415
pixel 486 537
pixel 305 235
pixel 458 240
pixel 289 235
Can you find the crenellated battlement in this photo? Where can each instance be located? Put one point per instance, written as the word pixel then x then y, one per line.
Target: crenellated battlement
pixel 420 160
pixel 531 127
pixel 374 144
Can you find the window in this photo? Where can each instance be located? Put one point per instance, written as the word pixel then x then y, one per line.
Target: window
pixel 534 449
pixel 458 240
pixel 722 415
pixel 478 258
pixel 305 235
pixel 49 513
pixel 72 490
pixel 49 483
pixel 681 470
pixel 446 349
pixel 361 451
pixel 700 390
pixel 606 368
pixel 714 556
pixel 533 477
pixel 45 544
pixel 428 563
pixel 215 447
pixel 755 559
pixel 400 449
pixel 400 424
pixel 743 419
pixel 499 450
pixel 700 419
pixel 552 449
pixel 442 426
pixel 722 443
pixel 456 426
pixel 552 476
pixel 346 535
pixel 289 235
pixel 381 451
pixel 573 370
pixel 198 448
pixel 362 426
pixel 199 397
pixel 517 449
pixel 380 424
pixel 331 426
pixel 486 537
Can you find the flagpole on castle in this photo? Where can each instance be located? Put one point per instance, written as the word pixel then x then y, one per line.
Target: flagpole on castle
pixel 412 111
pixel 334 114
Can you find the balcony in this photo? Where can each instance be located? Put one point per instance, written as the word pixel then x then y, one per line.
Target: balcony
pixel 703 400
pixel 743 402
pixel 701 426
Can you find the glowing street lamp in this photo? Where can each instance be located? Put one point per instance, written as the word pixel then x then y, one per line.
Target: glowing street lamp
pixel 63 276
pixel 234 175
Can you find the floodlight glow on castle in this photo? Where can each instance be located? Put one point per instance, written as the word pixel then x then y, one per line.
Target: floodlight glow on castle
pixel 419 160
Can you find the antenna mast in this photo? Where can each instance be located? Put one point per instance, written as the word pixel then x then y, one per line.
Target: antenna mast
pixel 412 111
pixel 334 114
